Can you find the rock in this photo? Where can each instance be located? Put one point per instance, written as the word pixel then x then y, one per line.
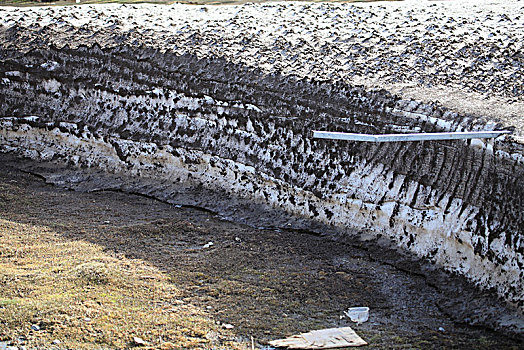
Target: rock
pixel 35 327
pixel 138 341
pixel 227 326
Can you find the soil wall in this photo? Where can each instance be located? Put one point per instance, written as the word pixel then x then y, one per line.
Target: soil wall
pixel 212 125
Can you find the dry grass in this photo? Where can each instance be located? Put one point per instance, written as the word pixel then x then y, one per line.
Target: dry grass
pixel 87 299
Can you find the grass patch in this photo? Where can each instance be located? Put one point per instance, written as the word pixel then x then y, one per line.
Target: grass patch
pixel 85 298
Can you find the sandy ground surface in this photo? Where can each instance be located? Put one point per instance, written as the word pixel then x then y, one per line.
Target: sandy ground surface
pixel 465 54
pixel 267 283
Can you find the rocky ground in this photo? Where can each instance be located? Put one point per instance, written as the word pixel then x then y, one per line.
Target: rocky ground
pixel 467 55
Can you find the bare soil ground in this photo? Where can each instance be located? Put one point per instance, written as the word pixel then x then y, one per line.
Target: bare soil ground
pixel 92 270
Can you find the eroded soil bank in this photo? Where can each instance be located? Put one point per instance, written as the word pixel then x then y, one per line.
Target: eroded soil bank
pixel 196 106
pixel 213 125
pixel 267 283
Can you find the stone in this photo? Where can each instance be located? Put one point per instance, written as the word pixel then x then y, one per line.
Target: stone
pixel 138 341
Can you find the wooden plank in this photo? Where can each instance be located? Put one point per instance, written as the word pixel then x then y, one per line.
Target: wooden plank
pixel 330 338
pixel 408 137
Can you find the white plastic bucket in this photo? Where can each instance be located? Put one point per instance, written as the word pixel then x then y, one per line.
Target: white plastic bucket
pixel 358 314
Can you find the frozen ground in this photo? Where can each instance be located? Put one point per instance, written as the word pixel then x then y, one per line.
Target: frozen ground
pixel 465 54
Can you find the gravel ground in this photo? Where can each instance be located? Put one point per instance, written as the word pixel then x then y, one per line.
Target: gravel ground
pixel 465 54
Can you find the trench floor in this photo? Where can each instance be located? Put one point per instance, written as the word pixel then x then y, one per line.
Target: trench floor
pixel 267 284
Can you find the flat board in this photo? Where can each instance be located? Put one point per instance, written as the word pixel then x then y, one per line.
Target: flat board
pixel 330 338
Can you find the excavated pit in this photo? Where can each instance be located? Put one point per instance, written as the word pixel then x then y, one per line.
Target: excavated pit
pixel 213 132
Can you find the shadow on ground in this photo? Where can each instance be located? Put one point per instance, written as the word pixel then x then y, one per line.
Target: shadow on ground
pixel 266 283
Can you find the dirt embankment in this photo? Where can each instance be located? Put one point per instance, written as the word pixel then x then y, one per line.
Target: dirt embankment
pixel 212 126
pixel 197 106
pixel 467 55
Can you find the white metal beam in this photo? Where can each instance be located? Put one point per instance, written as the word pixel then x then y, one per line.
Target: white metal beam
pixel 408 137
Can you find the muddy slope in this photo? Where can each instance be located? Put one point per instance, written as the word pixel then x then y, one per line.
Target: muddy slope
pixel 192 122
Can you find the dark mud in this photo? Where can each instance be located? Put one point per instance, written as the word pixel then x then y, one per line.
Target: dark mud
pixel 268 283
